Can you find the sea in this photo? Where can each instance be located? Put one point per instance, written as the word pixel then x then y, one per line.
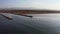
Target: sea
pixel 38 24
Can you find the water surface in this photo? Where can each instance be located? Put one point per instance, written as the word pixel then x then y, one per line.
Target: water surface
pixel 39 24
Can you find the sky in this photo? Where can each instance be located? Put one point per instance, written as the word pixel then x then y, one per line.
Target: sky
pixel 31 4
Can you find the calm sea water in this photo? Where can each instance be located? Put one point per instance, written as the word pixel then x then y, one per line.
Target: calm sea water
pixel 39 24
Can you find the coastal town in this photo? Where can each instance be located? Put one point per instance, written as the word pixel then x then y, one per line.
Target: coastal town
pixel 28 11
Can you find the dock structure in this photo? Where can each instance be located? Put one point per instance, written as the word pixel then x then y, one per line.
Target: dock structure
pixel 24 12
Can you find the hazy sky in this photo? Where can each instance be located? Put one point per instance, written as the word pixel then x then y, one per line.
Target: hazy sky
pixel 38 4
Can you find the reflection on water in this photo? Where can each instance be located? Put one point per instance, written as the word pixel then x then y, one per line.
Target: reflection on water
pixel 26 25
